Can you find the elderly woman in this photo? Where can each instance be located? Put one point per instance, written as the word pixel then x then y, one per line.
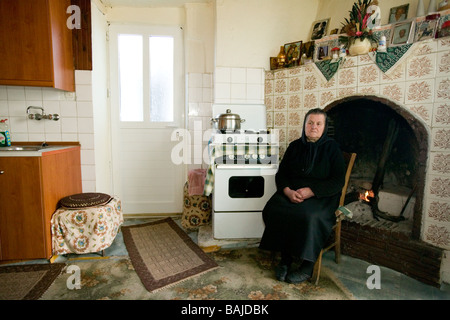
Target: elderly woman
pixel 299 217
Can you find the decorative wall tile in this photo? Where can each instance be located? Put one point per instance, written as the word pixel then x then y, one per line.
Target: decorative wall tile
pixel 443 63
pixel 439 187
pixel 282 150
pixel 419 91
pixel 395 76
pixel 421 67
pixel 364 59
pixel 440 163
pixel 281 86
pixel 326 97
pixel 269 119
pixel 347 77
pixel 349 62
pixel 294 133
pixel 425 47
pixel 279 119
pixel 441 114
pixel 368 75
pixel 310 100
pixel 422 111
pixel 310 82
pixel 282 136
pixel 280 102
pixel 281 73
pixel 295 85
pixel 308 68
pixel 437 234
pixel 295 102
pixel 443 44
pixel 393 91
pixel 439 211
pixel 342 92
pixel 270 75
pixel 268 101
pixel 269 87
pixel 294 118
pixel 331 84
pixel 369 90
pixel 295 72
pixel 442 87
pixel 441 139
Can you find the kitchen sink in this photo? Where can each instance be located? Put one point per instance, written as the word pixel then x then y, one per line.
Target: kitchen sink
pixel 21 148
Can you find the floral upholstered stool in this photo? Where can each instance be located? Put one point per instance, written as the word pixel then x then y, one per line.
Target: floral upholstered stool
pixel 85 223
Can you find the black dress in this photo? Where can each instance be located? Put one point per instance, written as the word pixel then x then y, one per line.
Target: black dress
pixel 302 229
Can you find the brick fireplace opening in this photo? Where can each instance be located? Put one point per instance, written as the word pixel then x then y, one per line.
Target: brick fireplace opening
pixel 363 124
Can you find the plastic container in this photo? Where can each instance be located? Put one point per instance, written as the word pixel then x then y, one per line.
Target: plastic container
pixel 382 44
pixel 5 138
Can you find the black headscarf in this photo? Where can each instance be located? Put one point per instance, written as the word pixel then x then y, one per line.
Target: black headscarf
pixel 307 157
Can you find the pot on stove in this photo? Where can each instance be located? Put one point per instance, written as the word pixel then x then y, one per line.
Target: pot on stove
pixel 227 121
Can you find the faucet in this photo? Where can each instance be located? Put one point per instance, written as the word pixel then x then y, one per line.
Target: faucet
pixel 42 115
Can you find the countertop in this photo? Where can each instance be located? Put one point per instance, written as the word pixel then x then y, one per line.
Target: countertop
pixel 48 150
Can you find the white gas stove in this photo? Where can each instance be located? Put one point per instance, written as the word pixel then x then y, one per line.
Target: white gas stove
pixel 244 164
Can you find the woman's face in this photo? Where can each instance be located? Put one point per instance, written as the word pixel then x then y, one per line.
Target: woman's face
pixel 314 127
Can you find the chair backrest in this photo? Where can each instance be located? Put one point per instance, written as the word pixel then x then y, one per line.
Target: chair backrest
pixel 349 161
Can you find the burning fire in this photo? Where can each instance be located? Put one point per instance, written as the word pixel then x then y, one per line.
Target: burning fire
pixel 366 195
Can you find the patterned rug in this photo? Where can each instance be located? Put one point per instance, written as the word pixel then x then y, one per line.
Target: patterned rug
pixel 27 282
pixel 243 274
pixel 163 254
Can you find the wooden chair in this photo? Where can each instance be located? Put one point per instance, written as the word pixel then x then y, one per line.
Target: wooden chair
pixel 340 214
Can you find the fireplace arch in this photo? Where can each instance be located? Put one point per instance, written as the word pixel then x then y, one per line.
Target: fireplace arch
pixel 359 124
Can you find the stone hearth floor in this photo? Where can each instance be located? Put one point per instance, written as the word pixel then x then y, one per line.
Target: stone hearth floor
pixel 351 272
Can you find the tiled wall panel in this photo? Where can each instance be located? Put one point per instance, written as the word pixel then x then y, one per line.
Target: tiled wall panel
pixel 420 84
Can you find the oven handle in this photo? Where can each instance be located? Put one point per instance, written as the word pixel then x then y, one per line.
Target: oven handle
pixel 246 166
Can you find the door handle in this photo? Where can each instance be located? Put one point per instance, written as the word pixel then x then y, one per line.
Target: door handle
pixel 2 172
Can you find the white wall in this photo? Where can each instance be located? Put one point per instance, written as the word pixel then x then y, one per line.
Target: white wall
pixel 338 10
pixel 199 37
pixel 100 75
pixel 249 32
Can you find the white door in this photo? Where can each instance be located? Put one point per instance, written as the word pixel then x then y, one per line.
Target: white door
pixel 147 106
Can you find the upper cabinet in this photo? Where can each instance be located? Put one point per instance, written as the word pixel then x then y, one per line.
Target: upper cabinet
pixel 36 44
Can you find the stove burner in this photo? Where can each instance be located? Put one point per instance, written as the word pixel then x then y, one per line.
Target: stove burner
pixel 247 159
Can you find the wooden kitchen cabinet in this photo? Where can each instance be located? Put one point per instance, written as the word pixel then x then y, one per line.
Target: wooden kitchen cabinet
pixel 36 44
pixel 31 188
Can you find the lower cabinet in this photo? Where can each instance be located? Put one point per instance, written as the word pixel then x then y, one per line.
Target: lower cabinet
pixel 30 189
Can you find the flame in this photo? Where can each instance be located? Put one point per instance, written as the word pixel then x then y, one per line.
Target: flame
pixel 366 195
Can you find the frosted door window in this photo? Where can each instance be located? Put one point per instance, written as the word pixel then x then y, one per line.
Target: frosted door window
pixel 161 79
pixel 131 77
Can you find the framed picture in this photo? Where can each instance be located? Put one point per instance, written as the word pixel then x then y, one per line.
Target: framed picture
pixel 397 14
pixel 319 29
pixel 293 51
pixel 307 49
pixel 273 63
pixel 323 52
pixel 402 33
pixel 425 30
pixel 443 28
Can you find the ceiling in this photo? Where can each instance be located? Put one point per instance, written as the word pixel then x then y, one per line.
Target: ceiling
pixel 149 3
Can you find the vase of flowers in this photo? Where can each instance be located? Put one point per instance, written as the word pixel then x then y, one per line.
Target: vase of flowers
pixel 359 37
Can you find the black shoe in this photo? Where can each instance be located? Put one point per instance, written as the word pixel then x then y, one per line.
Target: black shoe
pixel 296 277
pixel 281 271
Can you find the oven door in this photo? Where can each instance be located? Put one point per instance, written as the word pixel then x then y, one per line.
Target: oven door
pixel 241 188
